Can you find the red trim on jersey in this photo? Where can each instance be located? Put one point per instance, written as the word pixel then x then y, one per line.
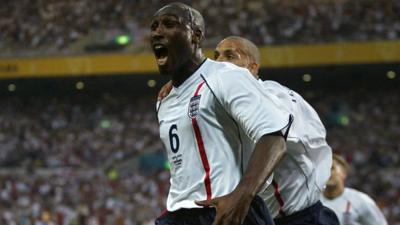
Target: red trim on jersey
pixel 202 150
pixel 198 89
pixel 278 198
pixel 203 156
pixel 348 206
pixel 164 212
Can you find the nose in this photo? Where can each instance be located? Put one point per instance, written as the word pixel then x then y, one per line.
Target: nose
pixel 156 32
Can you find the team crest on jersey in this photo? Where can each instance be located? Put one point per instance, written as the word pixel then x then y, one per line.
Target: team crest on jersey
pixel 194 103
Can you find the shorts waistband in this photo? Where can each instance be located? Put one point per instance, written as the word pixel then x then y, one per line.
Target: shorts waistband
pixel 193 212
pixel 300 214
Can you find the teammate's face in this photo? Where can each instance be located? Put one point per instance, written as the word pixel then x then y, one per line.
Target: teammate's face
pixel 338 175
pixel 231 50
pixel 171 38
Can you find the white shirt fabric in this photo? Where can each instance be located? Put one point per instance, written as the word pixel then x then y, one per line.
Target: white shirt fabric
pixel 230 122
pixel 353 207
pixel 303 172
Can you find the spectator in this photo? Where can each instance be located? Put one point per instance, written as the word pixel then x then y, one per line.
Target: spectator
pixel 51 26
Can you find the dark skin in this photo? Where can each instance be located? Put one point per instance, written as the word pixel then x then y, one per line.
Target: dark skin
pixel 171 29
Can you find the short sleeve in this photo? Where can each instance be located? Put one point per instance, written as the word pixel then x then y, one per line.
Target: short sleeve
pixel 255 111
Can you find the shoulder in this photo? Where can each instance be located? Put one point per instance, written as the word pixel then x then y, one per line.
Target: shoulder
pixel 225 78
pixel 280 89
pixel 351 192
pixel 225 70
pixel 274 84
pixel 361 197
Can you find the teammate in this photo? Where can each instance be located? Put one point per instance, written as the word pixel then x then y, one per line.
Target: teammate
pixel 351 206
pixel 298 180
pixel 223 134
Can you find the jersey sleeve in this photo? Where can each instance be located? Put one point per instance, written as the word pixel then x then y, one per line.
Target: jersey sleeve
pixel 371 214
pixel 256 112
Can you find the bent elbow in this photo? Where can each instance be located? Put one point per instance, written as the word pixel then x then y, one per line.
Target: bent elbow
pixel 281 147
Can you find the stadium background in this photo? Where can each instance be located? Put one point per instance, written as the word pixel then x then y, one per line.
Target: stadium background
pixel 78 131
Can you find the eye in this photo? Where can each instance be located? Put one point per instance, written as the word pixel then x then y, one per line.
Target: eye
pixel 230 56
pixel 153 26
pixel 170 24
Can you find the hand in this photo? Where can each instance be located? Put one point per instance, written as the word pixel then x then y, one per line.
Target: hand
pixel 165 90
pixel 230 209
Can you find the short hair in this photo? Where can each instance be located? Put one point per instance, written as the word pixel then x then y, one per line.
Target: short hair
pixel 195 18
pixel 250 48
pixel 339 159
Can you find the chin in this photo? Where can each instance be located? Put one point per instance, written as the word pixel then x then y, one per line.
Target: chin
pixel 168 70
pixel 163 71
pixel 331 183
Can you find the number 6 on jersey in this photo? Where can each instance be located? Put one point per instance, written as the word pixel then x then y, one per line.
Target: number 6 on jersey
pixel 174 138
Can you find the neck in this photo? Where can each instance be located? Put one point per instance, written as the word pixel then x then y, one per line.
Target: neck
pixel 188 68
pixel 332 192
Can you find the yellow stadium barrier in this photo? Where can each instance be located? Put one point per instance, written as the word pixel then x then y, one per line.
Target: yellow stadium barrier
pixel 331 54
pixel 273 57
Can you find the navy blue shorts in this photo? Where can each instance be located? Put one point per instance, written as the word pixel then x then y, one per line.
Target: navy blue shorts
pixel 258 215
pixel 316 214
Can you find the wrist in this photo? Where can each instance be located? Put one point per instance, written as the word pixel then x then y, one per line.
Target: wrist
pixel 246 191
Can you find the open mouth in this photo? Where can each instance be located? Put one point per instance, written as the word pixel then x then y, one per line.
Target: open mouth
pixel 161 53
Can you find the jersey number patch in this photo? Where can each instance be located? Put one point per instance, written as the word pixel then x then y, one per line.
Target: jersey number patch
pixel 174 138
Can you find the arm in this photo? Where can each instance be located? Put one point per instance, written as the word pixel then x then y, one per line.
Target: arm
pixel 268 152
pixel 233 208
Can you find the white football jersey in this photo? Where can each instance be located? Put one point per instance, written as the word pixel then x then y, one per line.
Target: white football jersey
pixel 209 126
pixel 353 207
pixel 304 170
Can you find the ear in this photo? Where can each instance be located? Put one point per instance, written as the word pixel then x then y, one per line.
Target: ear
pixel 197 36
pixel 253 68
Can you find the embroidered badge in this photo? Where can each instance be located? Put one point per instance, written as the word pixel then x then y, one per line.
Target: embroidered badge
pixel 194 103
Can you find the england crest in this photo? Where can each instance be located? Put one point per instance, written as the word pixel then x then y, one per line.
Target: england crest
pixel 194 103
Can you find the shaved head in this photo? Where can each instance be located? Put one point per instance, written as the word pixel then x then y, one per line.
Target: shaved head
pixel 187 13
pixel 177 31
pixel 249 48
pixel 240 52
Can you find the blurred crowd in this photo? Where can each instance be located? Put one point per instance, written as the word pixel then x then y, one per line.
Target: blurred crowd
pixel 59 26
pixel 81 198
pixel 75 132
pixel 69 153
pixel 62 161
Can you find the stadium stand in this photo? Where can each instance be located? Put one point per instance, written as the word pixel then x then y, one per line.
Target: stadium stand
pixel 67 27
pixel 75 132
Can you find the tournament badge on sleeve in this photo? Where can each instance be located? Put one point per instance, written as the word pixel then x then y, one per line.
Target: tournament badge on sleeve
pixel 194 106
